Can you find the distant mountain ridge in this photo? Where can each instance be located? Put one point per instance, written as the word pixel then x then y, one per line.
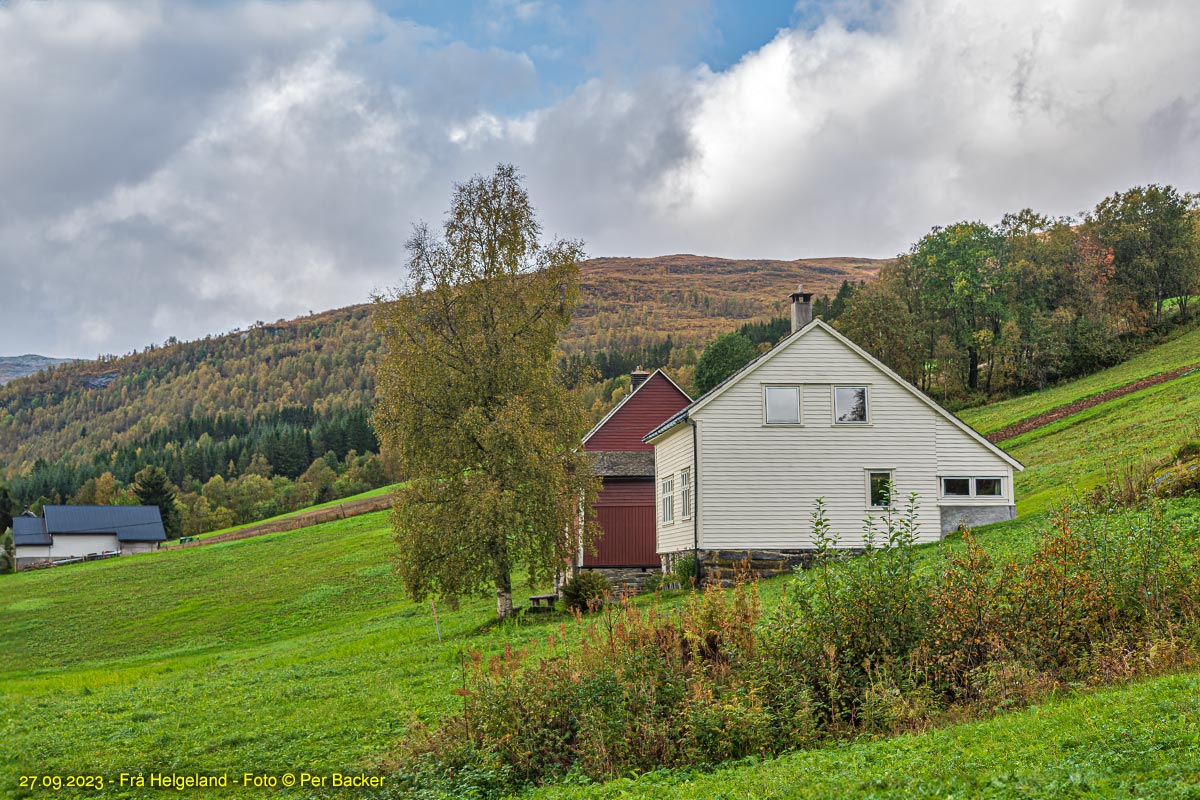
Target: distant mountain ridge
pixel 13 367
pixel 278 380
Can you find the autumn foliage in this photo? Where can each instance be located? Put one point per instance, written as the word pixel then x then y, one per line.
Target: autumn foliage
pixel 876 643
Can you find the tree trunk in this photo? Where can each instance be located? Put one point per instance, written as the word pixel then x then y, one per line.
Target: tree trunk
pixel 504 603
pixel 973 371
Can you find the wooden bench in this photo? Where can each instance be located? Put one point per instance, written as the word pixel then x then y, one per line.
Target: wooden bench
pixel 543 602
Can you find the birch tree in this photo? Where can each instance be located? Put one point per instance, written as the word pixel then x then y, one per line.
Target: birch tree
pixel 470 403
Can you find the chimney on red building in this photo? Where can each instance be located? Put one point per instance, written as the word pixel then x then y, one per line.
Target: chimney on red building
pixel 637 378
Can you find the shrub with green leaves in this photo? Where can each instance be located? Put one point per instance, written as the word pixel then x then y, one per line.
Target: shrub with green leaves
pixel 869 644
pixel 585 591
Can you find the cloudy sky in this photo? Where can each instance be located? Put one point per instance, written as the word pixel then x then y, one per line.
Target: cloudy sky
pixel 182 168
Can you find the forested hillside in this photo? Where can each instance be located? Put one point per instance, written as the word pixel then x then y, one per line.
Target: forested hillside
pixel 292 392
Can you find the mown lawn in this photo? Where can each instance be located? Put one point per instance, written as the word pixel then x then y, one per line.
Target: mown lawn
pixel 1182 351
pixel 283 652
pixel 298 512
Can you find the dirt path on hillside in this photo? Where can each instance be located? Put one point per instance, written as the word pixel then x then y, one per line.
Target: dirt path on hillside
pixel 1054 414
pixel 351 508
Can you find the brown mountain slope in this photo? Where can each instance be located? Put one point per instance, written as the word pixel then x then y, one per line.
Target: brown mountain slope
pixel 632 301
pixel 320 367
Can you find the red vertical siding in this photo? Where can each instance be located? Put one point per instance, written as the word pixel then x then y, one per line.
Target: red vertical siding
pixel 653 404
pixel 625 511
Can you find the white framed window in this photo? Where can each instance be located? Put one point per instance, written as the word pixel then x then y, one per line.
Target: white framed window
pixel 668 500
pixel 850 405
pixel 781 405
pixel 972 487
pixel 989 487
pixel 685 493
pixel 879 488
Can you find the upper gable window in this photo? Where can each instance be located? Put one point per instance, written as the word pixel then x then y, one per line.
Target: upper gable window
pixel 850 405
pixel 781 405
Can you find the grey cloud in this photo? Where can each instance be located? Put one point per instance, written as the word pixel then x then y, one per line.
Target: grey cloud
pixel 178 169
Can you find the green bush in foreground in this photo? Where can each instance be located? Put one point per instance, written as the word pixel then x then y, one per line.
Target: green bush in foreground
pixel 585 591
pixel 869 644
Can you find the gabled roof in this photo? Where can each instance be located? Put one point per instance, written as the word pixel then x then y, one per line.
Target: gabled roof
pixel 629 397
pixel 623 463
pixel 129 523
pixel 745 371
pixel 29 531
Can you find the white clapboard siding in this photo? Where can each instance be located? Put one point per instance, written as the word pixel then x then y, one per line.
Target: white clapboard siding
pixel 961 456
pixel 760 482
pixel 672 454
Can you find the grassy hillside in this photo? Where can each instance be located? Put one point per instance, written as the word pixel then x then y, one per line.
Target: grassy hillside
pixel 298 650
pixel 1081 449
pixel 1183 351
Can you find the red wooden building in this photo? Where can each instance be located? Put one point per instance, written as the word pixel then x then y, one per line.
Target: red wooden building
pixel 625 507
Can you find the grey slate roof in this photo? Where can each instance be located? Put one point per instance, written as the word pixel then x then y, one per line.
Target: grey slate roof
pixel 129 523
pixel 623 463
pixel 30 531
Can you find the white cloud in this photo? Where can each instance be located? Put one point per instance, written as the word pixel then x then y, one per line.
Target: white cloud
pixel 177 169
pixel 842 140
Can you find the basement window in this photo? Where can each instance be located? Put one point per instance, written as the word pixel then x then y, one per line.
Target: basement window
pixel 781 405
pixel 668 500
pixel 972 487
pixel 988 487
pixel 956 487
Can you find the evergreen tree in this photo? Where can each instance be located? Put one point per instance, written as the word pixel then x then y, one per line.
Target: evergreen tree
pixel 9 508
pixel 470 402
pixel 154 489
pixel 725 356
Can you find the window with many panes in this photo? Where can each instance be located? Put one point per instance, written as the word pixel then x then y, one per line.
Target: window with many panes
pixel 685 493
pixel 879 488
pixel 972 487
pixel 850 405
pixel 668 500
pixel 781 405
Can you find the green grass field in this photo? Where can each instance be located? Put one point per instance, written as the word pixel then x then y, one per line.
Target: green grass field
pixel 299 651
pixel 298 512
pixel 1182 351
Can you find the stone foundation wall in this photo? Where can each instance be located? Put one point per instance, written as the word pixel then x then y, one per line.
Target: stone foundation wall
pixel 625 576
pixel 955 517
pixel 723 567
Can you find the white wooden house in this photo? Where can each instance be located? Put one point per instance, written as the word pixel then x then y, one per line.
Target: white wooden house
pixel 741 468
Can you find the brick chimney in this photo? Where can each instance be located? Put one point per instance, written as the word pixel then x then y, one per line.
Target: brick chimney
pixel 637 378
pixel 801 308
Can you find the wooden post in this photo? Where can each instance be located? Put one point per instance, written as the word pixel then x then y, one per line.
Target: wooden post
pixel 436 625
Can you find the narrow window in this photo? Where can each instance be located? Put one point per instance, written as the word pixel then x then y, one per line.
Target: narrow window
pixel 879 488
pixel 668 500
pixel 956 487
pixel 850 405
pixel 782 405
pixel 988 487
pixel 685 493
